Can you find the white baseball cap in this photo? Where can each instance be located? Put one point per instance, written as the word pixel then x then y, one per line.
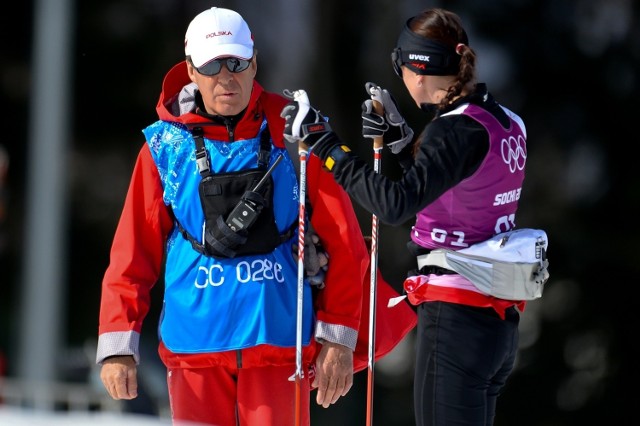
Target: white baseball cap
pixel 216 33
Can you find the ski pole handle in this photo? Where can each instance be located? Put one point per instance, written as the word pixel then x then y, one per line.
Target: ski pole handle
pixel 379 109
pixel 374 91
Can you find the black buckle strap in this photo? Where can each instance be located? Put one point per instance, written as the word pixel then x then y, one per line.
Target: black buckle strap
pixel 265 148
pixel 202 157
pixel 200 248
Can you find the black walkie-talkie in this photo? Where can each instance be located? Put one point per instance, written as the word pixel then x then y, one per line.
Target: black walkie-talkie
pixel 245 213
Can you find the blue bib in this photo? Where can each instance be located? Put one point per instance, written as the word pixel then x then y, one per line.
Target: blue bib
pixel 211 304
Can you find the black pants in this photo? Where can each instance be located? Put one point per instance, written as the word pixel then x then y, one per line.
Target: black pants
pixel 464 357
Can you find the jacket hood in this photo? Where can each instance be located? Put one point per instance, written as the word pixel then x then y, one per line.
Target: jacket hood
pixel 177 104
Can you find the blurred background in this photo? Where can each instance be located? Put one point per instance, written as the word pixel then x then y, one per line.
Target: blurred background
pixel 79 80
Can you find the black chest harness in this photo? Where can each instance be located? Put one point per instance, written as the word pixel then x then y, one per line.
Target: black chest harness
pixel 238 206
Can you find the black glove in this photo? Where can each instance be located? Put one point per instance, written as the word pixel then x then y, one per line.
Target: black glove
pixel 394 130
pixel 303 122
pixel 373 124
pixel 316 259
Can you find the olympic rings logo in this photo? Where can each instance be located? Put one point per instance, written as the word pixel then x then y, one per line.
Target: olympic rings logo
pixel 514 152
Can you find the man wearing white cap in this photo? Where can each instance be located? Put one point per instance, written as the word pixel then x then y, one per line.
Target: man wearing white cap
pixel 228 328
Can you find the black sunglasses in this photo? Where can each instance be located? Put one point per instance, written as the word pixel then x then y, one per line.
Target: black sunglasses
pixel 214 67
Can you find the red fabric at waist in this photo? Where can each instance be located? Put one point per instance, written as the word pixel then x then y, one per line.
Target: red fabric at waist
pixel 419 290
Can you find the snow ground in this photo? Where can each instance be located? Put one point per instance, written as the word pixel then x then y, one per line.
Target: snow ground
pixel 20 417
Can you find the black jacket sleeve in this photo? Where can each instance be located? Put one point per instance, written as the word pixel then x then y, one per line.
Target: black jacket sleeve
pixel 451 148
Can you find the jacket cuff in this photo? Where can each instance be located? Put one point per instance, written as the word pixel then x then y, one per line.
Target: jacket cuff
pixel 336 155
pixel 118 343
pixel 334 333
pixel 323 147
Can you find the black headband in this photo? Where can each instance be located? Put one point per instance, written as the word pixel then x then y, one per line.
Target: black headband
pixel 423 55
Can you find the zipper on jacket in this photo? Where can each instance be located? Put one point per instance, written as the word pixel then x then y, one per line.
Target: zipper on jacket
pixel 230 125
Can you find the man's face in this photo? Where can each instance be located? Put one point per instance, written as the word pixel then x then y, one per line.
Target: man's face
pixel 226 93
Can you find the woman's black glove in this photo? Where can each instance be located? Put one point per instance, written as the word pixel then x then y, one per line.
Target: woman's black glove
pixel 395 132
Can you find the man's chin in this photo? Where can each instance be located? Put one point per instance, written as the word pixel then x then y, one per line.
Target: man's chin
pixel 228 109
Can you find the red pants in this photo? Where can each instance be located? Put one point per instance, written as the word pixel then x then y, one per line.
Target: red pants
pixel 221 396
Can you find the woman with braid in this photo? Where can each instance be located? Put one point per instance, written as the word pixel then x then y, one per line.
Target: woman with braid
pixel 471 153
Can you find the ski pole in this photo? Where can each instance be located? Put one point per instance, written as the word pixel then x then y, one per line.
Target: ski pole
pixel 301 225
pixel 374 91
pixel 300 96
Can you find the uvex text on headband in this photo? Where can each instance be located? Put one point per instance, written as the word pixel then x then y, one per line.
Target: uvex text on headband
pixel 423 56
